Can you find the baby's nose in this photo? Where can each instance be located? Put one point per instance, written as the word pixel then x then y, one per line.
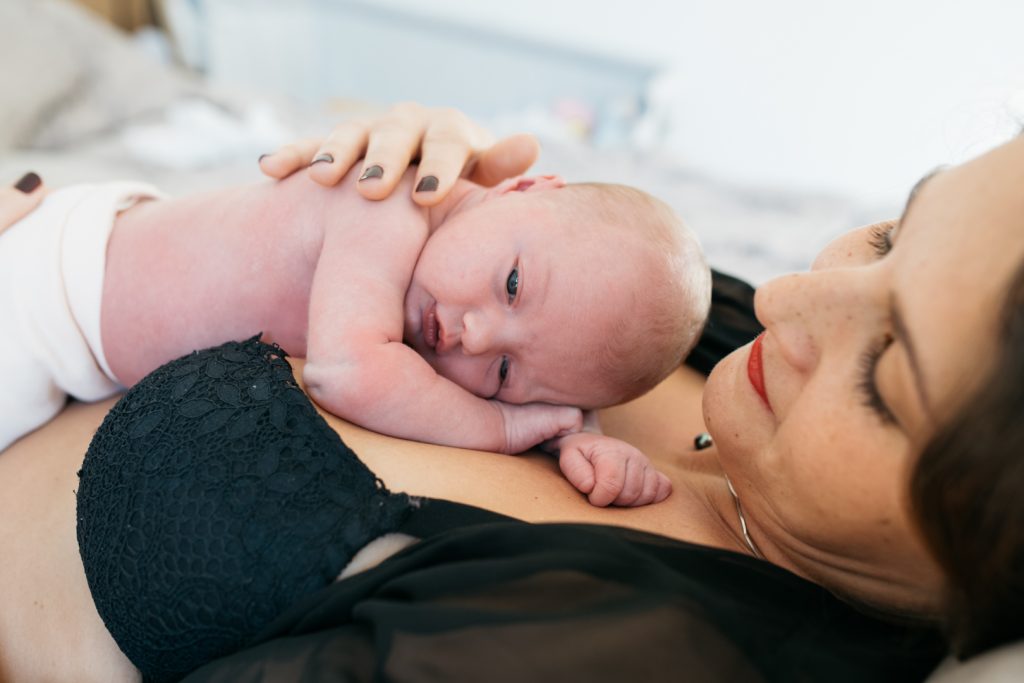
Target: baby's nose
pixel 476 334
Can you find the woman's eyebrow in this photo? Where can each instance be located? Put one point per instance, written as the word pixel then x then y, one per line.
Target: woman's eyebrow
pixel 917 188
pixel 901 333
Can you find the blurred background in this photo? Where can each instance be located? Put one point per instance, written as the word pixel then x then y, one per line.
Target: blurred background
pixel 771 126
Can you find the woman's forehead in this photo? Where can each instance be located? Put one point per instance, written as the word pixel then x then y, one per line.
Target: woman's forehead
pixel 957 247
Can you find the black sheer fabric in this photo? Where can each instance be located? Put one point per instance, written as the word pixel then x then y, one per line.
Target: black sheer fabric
pixel 213 497
pixel 486 598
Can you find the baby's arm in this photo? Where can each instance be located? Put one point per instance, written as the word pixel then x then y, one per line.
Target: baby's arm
pixel 609 470
pixel 358 368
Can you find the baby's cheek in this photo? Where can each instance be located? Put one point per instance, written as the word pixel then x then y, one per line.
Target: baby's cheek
pixel 468 373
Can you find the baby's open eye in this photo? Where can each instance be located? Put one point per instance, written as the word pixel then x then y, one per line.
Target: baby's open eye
pixel 503 370
pixel 512 284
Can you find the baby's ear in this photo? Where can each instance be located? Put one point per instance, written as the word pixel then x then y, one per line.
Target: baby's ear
pixel 525 183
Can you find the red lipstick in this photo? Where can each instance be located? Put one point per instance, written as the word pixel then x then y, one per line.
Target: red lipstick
pixel 755 370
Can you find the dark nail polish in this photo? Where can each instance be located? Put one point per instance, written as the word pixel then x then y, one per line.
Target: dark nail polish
pixel 374 171
pixel 29 182
pixel 428 183
pixel 262 157
pixel 324 158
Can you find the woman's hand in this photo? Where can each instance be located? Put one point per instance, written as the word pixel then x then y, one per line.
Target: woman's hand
pixel 444 142
pixel 20 199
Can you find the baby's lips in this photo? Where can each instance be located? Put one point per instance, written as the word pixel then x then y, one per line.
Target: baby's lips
pixel 430 327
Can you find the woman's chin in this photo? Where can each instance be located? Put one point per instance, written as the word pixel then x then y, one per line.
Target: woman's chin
pixel 733 411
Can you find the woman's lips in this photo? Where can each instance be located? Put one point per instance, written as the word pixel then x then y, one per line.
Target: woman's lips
pixel 755 370
pixel 430 325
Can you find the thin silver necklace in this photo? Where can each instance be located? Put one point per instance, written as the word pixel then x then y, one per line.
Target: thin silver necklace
pixel 702 441
pixel 743 522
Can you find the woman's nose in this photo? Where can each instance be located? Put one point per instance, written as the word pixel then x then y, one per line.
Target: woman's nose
pixel 807 312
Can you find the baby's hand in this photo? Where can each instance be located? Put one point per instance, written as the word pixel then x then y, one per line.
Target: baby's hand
pixel 610 471
pixel 532 423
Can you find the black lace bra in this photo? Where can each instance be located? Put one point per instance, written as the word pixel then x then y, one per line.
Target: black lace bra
pixel 213 497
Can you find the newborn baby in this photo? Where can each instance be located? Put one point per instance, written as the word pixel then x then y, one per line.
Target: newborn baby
pixel 485 322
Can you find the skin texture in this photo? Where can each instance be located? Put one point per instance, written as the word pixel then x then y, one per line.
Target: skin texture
pixel 517 306
pixel 822 479
pixel 822 476
pixel 348 283
pixel 566 290
pixel 49 628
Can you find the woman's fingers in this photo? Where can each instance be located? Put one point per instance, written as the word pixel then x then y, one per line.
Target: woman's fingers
pixel 445 142
pixel 393 143
pixel 453 148
pixel 507 158
pixel 444 157
pixel 290 158
pixel 339 152
pixel 20 199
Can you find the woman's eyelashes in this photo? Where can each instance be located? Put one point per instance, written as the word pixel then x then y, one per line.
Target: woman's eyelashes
pixel 867 384
pixel 512 284
pixel 880 238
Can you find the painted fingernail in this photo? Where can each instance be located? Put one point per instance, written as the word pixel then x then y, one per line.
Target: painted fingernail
pixel 29 182
pixel 324 158
pixel 374 171
pixel 428 183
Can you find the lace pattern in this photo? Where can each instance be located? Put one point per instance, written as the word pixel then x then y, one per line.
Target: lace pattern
pixel 212 497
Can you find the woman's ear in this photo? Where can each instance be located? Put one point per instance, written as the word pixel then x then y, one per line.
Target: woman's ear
pixel 526 184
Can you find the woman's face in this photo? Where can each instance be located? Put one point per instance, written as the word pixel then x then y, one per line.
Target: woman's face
pixel 861 358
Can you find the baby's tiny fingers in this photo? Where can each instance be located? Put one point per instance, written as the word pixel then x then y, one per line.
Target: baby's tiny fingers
pixel 610 476
pixel 577 470
pixel 664 488
pixel 632 483
pixel 649 493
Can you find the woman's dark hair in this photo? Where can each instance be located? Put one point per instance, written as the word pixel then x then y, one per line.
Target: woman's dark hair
pixel 968 494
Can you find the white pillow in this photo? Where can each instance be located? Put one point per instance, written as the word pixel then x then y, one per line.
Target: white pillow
pixel 38 70
pixel 69 76
pixel 1002 665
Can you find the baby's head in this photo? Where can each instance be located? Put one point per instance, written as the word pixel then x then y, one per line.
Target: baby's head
pixel 583 294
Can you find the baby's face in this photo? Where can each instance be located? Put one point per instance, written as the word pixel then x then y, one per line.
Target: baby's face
pixel 510 305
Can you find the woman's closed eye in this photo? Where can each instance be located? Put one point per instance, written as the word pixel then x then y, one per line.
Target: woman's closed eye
pixel 880 238
pixel 867 384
